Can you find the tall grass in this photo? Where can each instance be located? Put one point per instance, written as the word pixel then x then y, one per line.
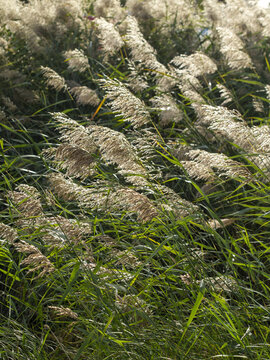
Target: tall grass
pixel 134 214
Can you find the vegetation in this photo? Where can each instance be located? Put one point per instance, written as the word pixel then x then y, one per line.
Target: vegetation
pixel 135 191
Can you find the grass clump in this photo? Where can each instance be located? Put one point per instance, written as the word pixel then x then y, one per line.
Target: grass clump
pixel 134 181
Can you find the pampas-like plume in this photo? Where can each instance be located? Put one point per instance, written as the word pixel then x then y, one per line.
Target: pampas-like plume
pixel 112 145
pixel 101 197
pixel 76 161
pixel 60 231
pixel 9 104
pixel 215 224
pixel 115 149
pixel 85 96
pixel 228 124
pixel 7 233
pixel 110 9
pixel 197 64
pixel 27 201
pixel 53 79
pixel 232 47
pixel 220 163
pixel 189 85
pixel 62 311
pixel 73 133
pixel 169 200
pixel 258 105
pixel 109 38
pixel 169 112
pixel 224 94
pixel 122 101
pixel 12 75
pixel 141 50
pixel 35 259
pixel 136 82
pixel 76 60
pixel 143 53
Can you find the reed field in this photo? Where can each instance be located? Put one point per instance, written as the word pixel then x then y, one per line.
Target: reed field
pixel 135 180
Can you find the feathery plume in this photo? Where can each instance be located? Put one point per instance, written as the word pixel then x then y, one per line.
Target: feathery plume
pixel 7 233
pixel 73 133
pixel 9 104
pixel 219 162
pixel 59 232
pixel 122 101
pixel 110 9
pixel 197 64
pixel 257 105
pixel 141 50
pixel 136 82
pixel 61 311
pixel 85 96
pixel 232 47
pixel 109 38
pixel 76 60
pixel 76 161
pixel 215 224
pixel 115 149
pixel 224 94
pixel 101 197
pixel 228 124
pixel 53 79
pixel 169 200
pixel 27 201
pixel 35 259
pixel 267 90
pixel 220 283
pixel 12 75
pixel 126 258
pixel 169 112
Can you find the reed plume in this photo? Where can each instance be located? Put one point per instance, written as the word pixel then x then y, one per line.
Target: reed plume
pixel 124 103
pixel 35 259
pixel 53 79
pixel 232 47
pixel 76 60
pixel 109 38
pixel 7 233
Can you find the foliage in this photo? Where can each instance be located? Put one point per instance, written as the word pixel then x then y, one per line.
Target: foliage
pixel 134 183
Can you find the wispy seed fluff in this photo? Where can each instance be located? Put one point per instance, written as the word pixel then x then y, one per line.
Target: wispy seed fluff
pixel 61 311
pixel 115 149
pixel 225 94
pixel 7 233
pixel 109 38
pixel 140 49
pixel 76 161
pixel 197 64
pixel 35 259
pixel 143 53
pixel 59 231
pixel 53 79
pixel 169 200
pixel 228 125
pixel 85 96
pixel 27 201
pixel 168 109
pixel 110 9
pixel 232 47
pixel 102 197
pixel 136 82
pixel 76 60
pixel 204 165
pixel 123 102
